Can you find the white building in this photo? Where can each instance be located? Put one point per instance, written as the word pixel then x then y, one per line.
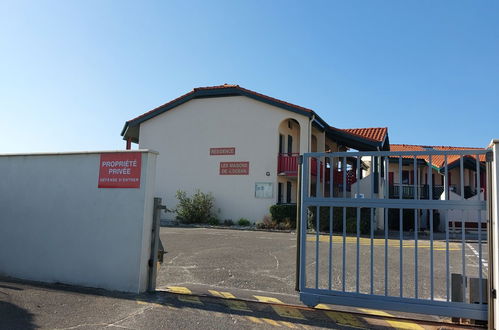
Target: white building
pixel 240 145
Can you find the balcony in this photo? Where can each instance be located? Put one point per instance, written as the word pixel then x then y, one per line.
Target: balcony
pixel 408 191
pixel 287 164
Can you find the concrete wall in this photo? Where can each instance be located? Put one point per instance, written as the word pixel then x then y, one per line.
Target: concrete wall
pixel 57 226
pixel 184 135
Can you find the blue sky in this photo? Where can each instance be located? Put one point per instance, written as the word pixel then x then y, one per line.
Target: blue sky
pixel 72 72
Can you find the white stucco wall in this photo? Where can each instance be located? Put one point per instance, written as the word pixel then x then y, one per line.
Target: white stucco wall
pixel 57 226
pixel 184 135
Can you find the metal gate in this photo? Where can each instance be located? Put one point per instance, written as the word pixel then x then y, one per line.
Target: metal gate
pixel 402 231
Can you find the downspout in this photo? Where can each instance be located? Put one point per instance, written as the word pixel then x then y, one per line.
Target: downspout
pixel 310 133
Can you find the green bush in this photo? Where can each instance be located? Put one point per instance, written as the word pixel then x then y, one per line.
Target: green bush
pixel 267 223
pixel 195 209
pixel 213 221
pixel 284 213
pixel 243 222
pixel 228 222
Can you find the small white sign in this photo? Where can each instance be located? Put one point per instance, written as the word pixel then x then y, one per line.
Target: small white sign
pixel 263 190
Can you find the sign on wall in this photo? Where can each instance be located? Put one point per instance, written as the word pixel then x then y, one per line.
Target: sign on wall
pixel 263 190
pixel 234 168
pixel 222 151
pixel 120 170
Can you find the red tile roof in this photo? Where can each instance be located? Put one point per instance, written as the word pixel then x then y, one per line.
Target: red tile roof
pixel 436 160
pixel 377 134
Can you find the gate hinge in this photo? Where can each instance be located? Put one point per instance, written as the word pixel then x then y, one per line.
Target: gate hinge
pixel 300 160
pixel 493 294
pixel 489 156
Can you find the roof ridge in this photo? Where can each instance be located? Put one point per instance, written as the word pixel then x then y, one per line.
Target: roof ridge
pixel 433 146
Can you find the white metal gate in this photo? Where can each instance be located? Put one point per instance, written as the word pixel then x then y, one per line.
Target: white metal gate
pixel 400 231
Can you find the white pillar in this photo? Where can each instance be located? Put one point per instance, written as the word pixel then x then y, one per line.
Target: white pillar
pixel 494 224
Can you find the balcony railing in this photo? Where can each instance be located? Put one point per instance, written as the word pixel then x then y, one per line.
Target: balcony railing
pixel 287 164
pixel 422 191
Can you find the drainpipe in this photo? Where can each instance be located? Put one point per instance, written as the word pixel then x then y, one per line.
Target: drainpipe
pixel 128 143
pixel 310 133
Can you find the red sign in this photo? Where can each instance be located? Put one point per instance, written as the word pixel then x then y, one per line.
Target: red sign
pixel 234 168
pixel 222 151
pixel 120 170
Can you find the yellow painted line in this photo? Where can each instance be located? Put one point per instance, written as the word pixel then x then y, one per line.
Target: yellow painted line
pixel 254 319
pixel 322 306
pixel 395 324
pixel 268 299
pixel 141 302
pixel 190 299
pixel 271 322
pixel 288 324
pixel 234 305
pixel 345 319
pixel 282 311
pixel 288 312
pixel 186 291
pixel 178 289
pixel 221 294
pixel 341 318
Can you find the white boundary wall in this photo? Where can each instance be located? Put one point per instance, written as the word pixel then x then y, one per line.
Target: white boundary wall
pixel 57 226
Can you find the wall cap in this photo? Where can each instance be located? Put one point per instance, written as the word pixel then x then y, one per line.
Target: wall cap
pixel 65 153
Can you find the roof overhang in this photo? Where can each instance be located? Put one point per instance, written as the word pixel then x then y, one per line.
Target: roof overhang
pixel 355 141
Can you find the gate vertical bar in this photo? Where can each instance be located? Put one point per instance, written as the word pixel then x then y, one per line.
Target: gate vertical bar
pixel 298 222
pixel 480 285
pixel 416 227
pixel 305 177
pixel 463 231
pixel 358 226
pixel 385 214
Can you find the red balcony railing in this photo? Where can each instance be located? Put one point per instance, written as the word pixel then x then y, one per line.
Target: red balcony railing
pixel 287 164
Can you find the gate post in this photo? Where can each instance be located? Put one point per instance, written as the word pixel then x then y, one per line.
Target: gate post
pixel 155 243
pixel 298 222
pixel 493 231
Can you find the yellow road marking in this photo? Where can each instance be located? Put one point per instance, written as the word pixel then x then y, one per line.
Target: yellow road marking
pixel 190 299
pixel 282 311
pixel 184 290
pixel 234 305
pixel 322 306
pixel 288 312
pixel 437 245
pixel 288 324
pixel 345 319
pixel 178 289
pixel 268 299
pixel 271 322
pixel 395 324
pixel 140 302
pixel 254 319
pixel 341 318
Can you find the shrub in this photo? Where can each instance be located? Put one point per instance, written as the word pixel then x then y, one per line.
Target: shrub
pixel 213 221
pixel 228 222
pixel 195 209
pixel 267 223
pixel 284 212
pixel 243 222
